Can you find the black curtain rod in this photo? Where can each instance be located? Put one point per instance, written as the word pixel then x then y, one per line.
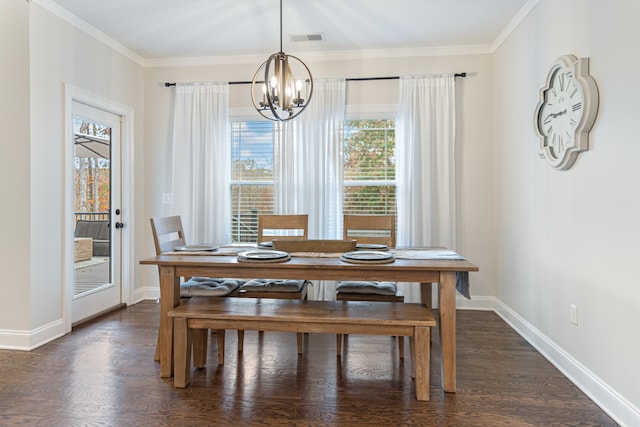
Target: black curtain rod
pixel 355 79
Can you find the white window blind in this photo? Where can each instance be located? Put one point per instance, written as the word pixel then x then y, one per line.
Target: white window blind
pixel 251 177
pixel 369 167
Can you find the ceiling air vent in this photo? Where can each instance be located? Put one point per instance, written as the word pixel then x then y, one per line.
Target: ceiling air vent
pixel 315 37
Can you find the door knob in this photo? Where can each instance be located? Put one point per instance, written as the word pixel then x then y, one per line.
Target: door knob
pixel 119 225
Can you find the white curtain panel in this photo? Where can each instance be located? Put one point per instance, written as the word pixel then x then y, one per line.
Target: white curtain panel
pixel 201 161
pixel 308 167
pixel 425 165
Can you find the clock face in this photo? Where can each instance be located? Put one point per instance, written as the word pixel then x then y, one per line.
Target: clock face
pixel 566 111
pixel 560 113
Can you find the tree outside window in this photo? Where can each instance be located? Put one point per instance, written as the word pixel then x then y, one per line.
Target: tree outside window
pixel 369 167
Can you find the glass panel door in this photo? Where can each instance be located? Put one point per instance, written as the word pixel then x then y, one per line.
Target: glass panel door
pixel 96 140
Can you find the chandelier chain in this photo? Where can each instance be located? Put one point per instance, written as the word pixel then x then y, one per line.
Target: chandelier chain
pixel 281 50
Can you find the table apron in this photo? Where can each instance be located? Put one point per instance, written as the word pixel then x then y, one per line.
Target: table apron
pixel 303 273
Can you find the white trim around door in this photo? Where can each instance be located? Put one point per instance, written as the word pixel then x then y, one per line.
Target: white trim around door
pixel 74 94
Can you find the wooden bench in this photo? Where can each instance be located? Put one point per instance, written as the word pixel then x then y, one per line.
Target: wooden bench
pixel 341 317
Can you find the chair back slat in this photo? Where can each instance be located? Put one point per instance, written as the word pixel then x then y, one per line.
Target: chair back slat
pixel 291 227
pixel 167 233
pixel 378 229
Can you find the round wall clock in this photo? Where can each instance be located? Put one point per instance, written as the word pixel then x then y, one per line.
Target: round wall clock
pixel 566 111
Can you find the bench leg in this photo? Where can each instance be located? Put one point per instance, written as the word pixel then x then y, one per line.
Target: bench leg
pixel 401 346
pixel 199 337
pixel 422 356
pixel 220 334
pixel 181 353
pixel 240 341
pixel 339 345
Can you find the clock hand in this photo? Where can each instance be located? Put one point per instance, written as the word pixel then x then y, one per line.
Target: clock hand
pixel 554 115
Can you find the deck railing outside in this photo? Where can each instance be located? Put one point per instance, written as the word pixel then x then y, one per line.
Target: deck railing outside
pixel 244 227
pixel 90 216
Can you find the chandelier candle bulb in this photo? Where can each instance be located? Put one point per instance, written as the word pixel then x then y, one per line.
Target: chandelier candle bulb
pixel 264 103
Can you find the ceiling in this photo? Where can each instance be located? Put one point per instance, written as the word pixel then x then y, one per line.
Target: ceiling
pixel 160 29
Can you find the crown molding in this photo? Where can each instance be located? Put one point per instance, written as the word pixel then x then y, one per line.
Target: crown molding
pixel 83 26
pixel 513 24
pixel 323 56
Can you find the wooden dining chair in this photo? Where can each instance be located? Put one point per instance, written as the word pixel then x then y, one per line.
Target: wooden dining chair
pixel 167 234
pixel 369 229
pixel 291 227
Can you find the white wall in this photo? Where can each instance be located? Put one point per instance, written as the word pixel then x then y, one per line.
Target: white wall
pixel 475 238
pixel 44 50
pixel 14 165
pixel 571 237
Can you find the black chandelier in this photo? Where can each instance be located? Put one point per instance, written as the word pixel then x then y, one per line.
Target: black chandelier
pixel 283 85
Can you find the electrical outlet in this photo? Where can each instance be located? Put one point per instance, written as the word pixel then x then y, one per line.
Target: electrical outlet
pixel 167 198
pixel 573 314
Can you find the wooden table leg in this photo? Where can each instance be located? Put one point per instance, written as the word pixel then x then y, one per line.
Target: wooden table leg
pixel 447 327
pixel 169 298
pixel 425 294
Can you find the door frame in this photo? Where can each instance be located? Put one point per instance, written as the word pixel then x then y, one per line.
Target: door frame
pixel 71 94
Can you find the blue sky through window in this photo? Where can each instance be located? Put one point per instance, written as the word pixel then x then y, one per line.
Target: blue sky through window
pixel 252 144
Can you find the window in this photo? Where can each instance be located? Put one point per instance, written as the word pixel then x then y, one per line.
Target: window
pixel 369 167
pixel 369 172
pixel 251 177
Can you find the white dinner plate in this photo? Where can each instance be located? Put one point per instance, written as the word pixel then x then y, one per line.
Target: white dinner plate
pixel 195 248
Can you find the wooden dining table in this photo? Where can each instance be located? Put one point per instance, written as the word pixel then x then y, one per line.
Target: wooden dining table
pixel 423 272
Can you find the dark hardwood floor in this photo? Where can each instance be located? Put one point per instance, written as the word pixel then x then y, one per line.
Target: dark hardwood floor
pixel 103 374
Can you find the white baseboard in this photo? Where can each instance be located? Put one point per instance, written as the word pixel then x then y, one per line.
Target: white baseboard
pixel 476 303
pixel 30 340
pixel 146 294
pixel 616 406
